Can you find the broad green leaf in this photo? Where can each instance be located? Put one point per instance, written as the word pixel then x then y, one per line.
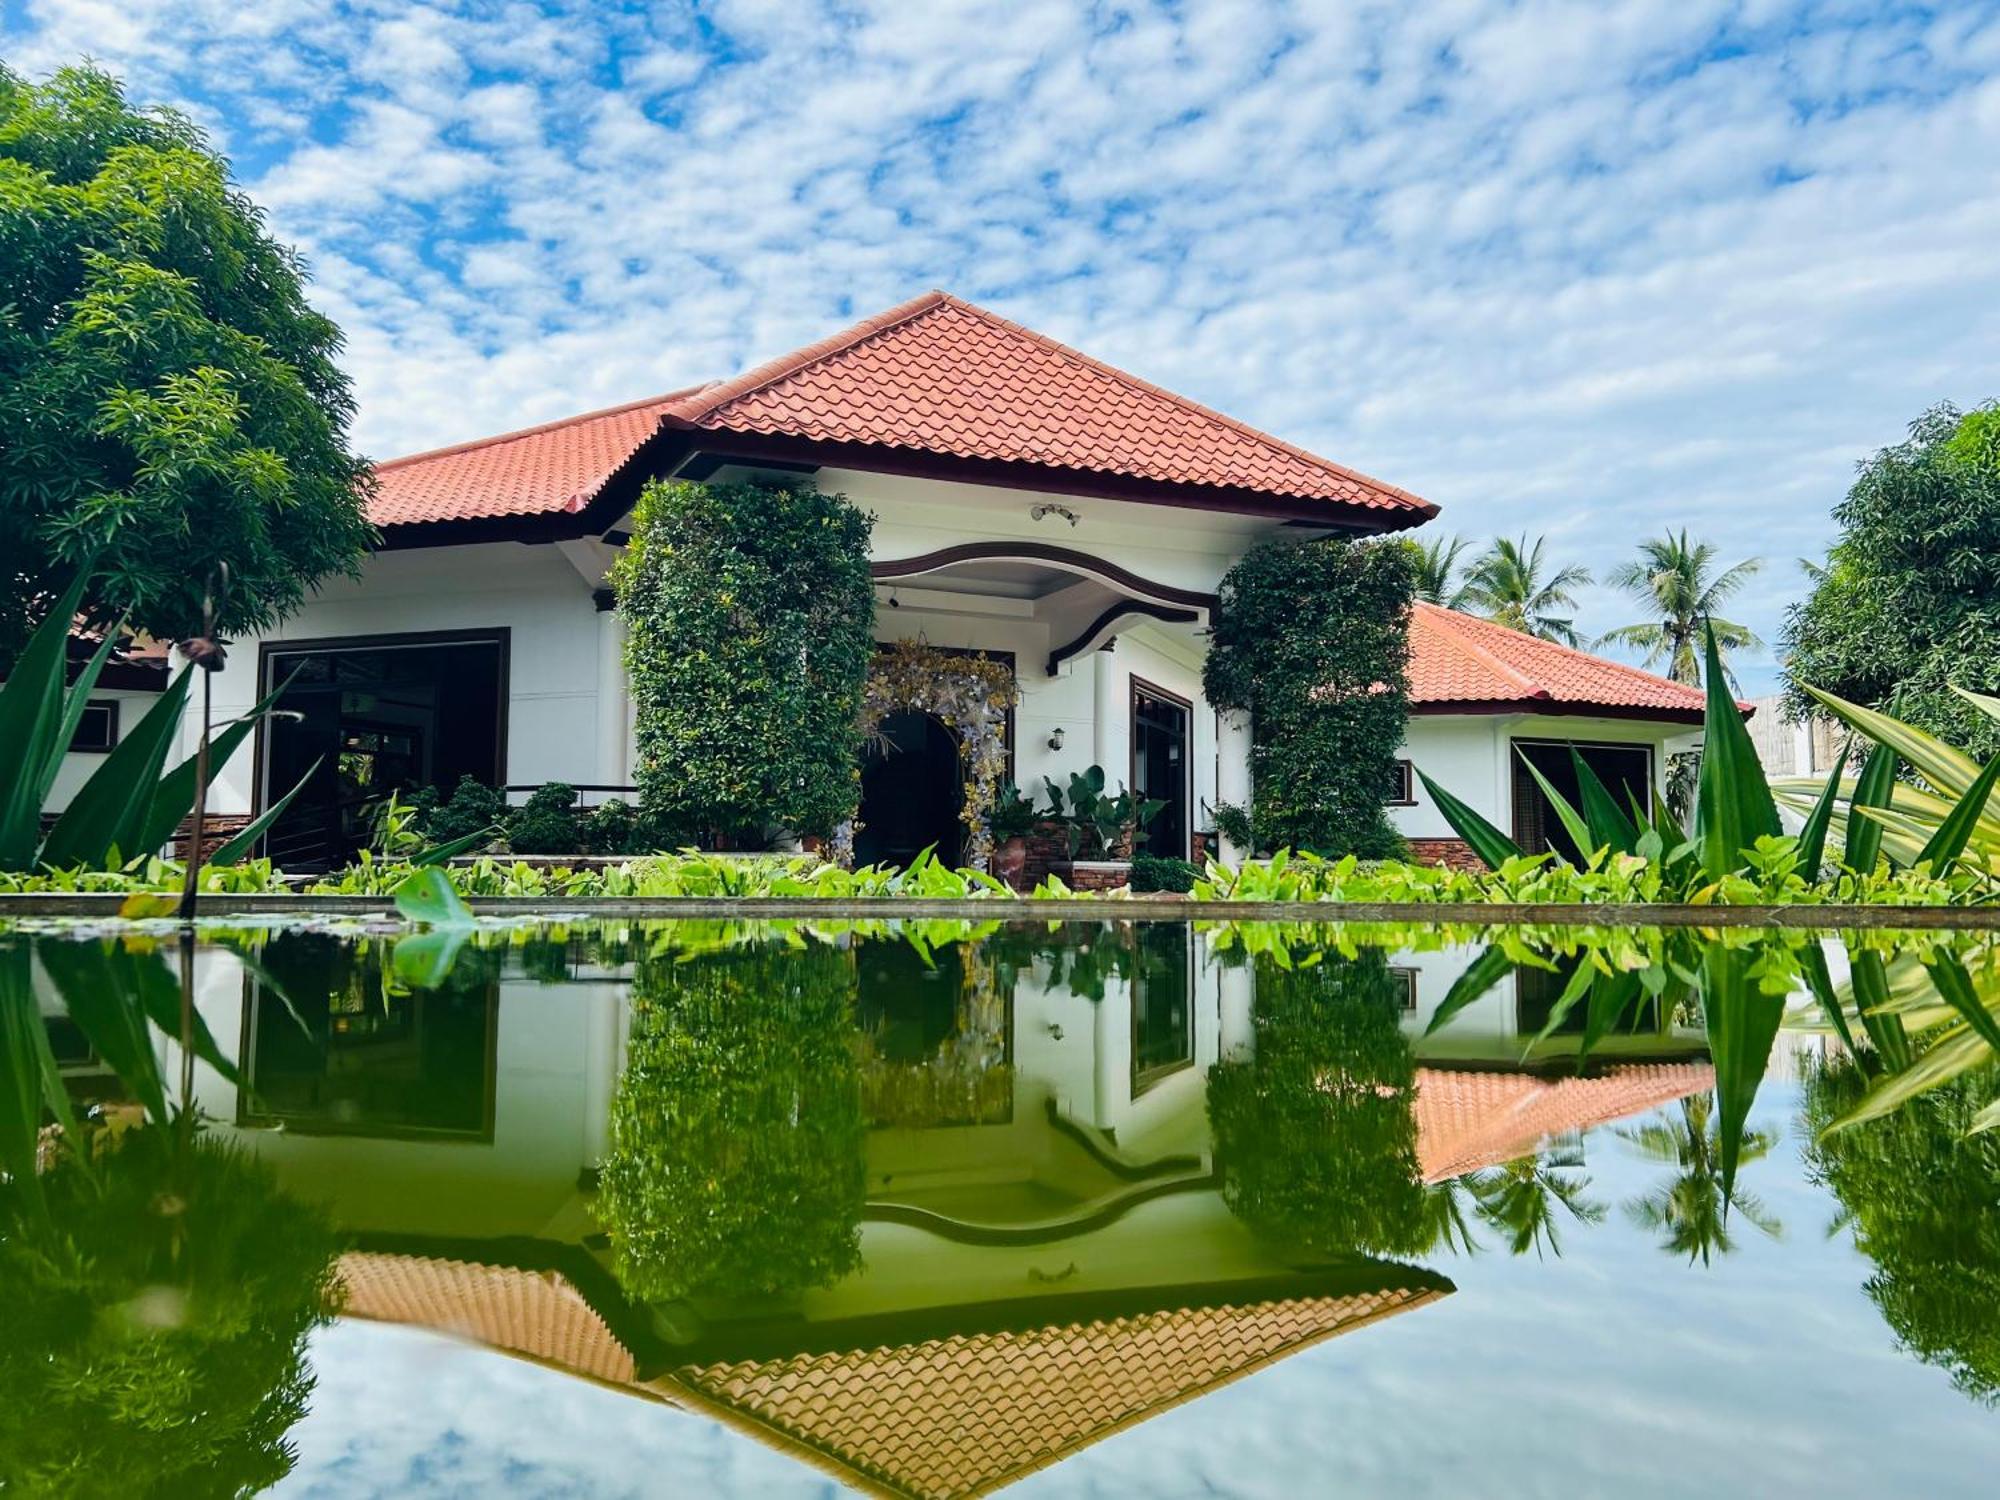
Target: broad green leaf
pixel 110 810
pixel 173 799
pixel 1481 975
pixel 1870 979
pixel 1812 838
pixel 1488 842
pixel 439 854
pixel 424 960
pixel 1871 789
pixel 21 1086
pixel 1956 989
pixel 1947 769
pixel 245 838
pixel 1733 803
pixel 99 984
pixel 427 896
pixel 77 700
pixel 1571 820
pixel 31 711
pixel 1949 841
pixel 1607 820
pixel 1742 1026
pixel 1580 981
pixel 1812 960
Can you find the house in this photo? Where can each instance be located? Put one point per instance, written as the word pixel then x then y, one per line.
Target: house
pixel 1030 503
pixel 1486 702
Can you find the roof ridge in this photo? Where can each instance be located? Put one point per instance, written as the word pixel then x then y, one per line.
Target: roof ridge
pixel 1445 620
pixel 1305 455
pixel 722 392
pixel 472 445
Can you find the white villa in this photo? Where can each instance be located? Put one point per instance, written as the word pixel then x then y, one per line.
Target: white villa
pixel 1030 503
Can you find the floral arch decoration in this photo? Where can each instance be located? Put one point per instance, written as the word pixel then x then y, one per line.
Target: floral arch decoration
pixel 971 696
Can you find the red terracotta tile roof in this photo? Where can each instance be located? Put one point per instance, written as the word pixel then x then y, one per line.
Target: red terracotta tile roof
pixel 556 467
pixel 1470 1120
pixel 936 376
pixel 1460 663
pixel 939 375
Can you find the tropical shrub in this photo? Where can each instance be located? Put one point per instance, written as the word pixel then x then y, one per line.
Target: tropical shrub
pixel 473 808
pixel 169 401
pixel 1917 1192
pixel 750 617
pixel 736 1164
pixel 131 805
pixel 1316 1135
pixel 547 822
pixel 1151 872
pixel 1098 825
pixel 1908 604
pixel 1313 640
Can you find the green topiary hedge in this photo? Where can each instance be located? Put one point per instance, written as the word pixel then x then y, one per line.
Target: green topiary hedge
pixel 750 619
pixel 1313 639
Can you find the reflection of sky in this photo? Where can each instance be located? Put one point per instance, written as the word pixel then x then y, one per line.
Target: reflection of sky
pixel 1615 1370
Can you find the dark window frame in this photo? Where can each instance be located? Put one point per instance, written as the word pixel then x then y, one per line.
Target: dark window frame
pixel 1140 688
pixel 1515 772
pixel 1405 789
pixel 1144 1080
pixel 1406 976
pixel 108 740
pixel 268 653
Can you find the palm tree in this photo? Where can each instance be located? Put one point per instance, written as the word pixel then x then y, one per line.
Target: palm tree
pixel 1519 1199
pixel 1677 581
pixel 1436 563
pixel 1505 584
pixel 1690 1212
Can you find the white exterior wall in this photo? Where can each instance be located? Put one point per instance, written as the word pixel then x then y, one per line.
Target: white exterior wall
pixel 78 768
pixel 562 658
pixel 1471 756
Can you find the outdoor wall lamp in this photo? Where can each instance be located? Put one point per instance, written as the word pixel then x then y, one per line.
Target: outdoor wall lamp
pixel 1043 512
pixel 1055 740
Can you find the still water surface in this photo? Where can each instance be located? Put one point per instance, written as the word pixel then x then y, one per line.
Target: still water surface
pixel 929 1209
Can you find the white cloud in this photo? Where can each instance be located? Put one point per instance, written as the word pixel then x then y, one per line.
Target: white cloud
pixel 1580 268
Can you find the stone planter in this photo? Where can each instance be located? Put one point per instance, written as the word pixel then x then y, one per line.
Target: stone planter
pixel 1099 874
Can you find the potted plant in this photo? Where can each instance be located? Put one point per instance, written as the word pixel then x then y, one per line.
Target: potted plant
pixel 1100 827
pixel 1010 820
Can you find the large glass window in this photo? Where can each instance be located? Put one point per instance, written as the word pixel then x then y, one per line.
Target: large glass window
pixel 1161 760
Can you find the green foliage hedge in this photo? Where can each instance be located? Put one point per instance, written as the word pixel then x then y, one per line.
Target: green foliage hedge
pixel 736 1162
pixel 1316 1135
pixel 750 618
pixel 1313 640
pixel 1909 606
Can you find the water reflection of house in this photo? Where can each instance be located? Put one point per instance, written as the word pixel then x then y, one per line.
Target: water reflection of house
pixel 1046 1258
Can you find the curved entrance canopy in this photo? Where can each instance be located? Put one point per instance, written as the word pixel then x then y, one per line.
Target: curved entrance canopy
pixel 1086 600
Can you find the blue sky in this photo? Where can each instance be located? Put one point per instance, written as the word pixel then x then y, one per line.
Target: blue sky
pixel 1585 269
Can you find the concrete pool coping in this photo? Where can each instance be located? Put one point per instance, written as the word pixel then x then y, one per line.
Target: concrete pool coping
pixel 105 906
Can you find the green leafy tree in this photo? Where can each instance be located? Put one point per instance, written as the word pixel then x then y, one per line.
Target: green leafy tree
pixel 1438 578
pixel 736 1166
pixel 1690 1212
pixel 1677 581
pixel 1316 1133
pixel 157 1318
pixel 168 399
pixel 750 617
pixel 1313 639
pixel 1909 604
pixel 1921 1196
pixel 1509 584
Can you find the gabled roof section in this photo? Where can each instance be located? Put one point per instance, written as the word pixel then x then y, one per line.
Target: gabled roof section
pixel 1469 1120
pixel 555 468
pixel 939 375
pixel 1462 664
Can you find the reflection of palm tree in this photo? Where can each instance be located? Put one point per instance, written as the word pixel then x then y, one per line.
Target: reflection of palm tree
pixel 1690 1212
pixel 1444 1216
pixel 1520 1199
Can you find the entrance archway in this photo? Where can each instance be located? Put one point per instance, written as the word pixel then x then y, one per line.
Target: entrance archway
pixel 912 793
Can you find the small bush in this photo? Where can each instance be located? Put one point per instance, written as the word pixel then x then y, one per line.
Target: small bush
pixel 473 805
pixel 546 823
pixel 1150 872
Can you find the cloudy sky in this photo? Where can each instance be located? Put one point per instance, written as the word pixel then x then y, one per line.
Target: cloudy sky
pixel 1589 270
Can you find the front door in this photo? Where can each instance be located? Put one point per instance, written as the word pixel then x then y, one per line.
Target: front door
pixel 912 792
pixel 1161 761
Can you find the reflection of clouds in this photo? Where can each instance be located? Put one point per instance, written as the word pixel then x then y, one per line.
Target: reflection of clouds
pixel 405 1412
pixel 1617 1370
pixel 1571 266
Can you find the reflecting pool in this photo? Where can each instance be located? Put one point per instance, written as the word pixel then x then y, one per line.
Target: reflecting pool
pixel 935 1208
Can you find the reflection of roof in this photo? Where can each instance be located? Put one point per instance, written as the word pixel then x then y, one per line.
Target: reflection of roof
pixel 1470 1120
pixel 958 1413
pixel 1460 663
pixel 934 376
